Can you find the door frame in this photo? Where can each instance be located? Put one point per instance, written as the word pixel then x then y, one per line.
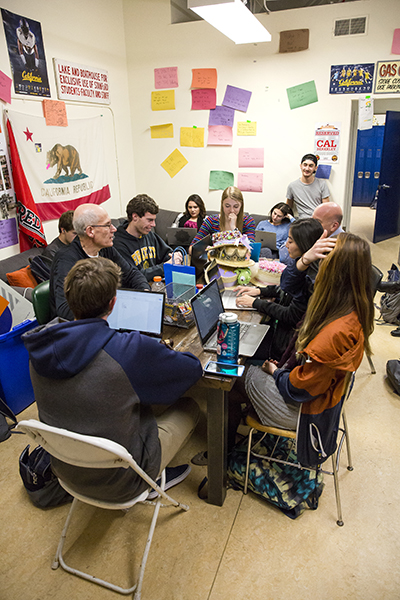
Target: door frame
pixel 381 105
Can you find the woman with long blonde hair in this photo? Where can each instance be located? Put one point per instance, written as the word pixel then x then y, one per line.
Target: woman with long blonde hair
pixel 231 217
pixel 330 343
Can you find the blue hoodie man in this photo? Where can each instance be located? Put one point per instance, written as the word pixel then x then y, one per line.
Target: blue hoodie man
pixel 94 380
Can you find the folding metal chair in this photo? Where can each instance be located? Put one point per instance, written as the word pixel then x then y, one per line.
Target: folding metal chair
pixel 100 453
pixel 343 435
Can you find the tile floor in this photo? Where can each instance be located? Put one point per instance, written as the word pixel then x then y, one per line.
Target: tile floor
pixel 246 549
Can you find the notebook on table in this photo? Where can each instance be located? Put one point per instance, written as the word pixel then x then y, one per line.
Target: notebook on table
pixel 137 310
pixel 180 236
pixel 267 239
pixel 207 306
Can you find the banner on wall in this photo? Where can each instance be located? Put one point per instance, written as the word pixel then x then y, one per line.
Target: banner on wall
pixel 387 79
pixel 326 142
pixel 351 79
pixel 26 53
pixel 62 166
pixel 80 83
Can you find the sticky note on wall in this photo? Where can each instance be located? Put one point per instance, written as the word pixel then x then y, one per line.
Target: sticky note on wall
pixel 164 100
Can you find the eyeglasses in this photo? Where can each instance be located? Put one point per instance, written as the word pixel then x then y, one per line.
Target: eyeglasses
pixel 109 225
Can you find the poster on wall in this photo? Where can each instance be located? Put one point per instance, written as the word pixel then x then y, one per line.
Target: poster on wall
pixel 387 79
pixel 26 54
pixel 351 79
pixel 326 142
pixel 62 166
pixel 80 83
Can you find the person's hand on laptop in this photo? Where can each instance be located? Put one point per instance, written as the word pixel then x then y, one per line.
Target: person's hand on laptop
pixel 244 301
pixel 247 290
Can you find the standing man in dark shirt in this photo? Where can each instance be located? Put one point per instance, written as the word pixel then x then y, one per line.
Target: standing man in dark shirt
pixel 95 234
pixel 136 241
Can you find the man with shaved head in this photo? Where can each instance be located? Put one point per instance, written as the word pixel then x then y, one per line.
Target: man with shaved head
pixel 330 216
pixel 95 234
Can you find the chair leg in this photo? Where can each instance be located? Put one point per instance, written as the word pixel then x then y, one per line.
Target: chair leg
pixel 337 494
pixel 371 365
pixel 138 592
pixel 59 559
pixel 347 438
pixel 246 480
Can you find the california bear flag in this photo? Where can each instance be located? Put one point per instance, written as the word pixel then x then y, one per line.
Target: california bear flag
pixel 61 167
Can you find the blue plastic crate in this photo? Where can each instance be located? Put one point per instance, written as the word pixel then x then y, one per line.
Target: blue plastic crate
pixel 15 382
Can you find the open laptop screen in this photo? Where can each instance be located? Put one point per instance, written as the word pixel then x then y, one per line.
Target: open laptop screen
pixel 207 306
pixel 137 310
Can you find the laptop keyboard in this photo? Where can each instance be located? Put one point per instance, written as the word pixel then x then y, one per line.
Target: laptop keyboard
pixel 212 343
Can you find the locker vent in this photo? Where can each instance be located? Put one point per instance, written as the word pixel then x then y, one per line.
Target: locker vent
pixel 354 26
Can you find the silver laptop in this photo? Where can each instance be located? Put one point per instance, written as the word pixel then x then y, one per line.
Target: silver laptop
pixel 267 239
pixel 228 295
pixel 207 306
pixel 180 236
pixel 137 310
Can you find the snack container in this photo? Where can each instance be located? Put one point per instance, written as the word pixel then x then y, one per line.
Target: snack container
pixel 178 310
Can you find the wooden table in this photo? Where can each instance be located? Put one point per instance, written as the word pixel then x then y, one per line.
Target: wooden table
pixel 187 340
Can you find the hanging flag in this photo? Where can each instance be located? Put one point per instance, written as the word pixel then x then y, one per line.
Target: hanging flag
pixel 63 166
pixel 30 226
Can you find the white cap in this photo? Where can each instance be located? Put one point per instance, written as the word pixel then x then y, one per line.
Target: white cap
pixel 228 317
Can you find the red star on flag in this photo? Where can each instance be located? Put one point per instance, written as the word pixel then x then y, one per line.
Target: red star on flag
pixel 28 135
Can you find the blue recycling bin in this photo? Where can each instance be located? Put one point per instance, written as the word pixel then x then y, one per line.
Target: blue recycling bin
pixel 15 382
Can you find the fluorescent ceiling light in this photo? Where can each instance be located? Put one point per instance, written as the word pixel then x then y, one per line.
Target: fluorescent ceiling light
pixel 232 18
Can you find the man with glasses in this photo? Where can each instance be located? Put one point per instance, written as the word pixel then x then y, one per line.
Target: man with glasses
pixel 95 234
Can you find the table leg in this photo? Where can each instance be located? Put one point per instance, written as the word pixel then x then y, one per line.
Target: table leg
pixel 217 435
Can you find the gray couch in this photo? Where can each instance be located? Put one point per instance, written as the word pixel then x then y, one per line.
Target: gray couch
pixel 165 218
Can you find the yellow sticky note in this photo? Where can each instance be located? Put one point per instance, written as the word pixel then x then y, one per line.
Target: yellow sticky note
pixel 174 163
pixel 162 131
pixel 191 136
pixel 246 128
pixel 163 100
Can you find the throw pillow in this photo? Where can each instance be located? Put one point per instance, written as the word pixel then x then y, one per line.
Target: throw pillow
pixel 22 278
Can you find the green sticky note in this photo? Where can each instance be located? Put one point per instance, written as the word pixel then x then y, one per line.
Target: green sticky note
pixel 219 180
pixel 301 95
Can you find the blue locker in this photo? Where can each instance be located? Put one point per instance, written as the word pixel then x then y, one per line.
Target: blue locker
pixel 368 163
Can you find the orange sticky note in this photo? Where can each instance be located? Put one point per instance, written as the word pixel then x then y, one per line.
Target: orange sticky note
pixel 55 113
pixel 204 78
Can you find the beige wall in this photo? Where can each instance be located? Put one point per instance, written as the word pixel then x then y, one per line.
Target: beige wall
pixel 87 32
pixel 130 38
pixel 285 134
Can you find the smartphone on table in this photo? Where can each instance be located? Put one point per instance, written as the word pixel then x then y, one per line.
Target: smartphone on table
pixel 218 368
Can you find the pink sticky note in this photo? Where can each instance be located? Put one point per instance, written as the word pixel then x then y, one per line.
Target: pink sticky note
pixel 5 87
pixel 166 78
pixel 204 99
pixel 396 42
pixel 250 182
pixel 251 157
pixel 220 135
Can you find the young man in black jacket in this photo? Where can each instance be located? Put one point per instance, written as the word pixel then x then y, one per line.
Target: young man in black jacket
pixel 136 241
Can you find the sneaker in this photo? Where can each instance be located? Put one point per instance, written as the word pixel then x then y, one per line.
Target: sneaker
pixel 395 332
pixel 200 459
pixel 174 475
